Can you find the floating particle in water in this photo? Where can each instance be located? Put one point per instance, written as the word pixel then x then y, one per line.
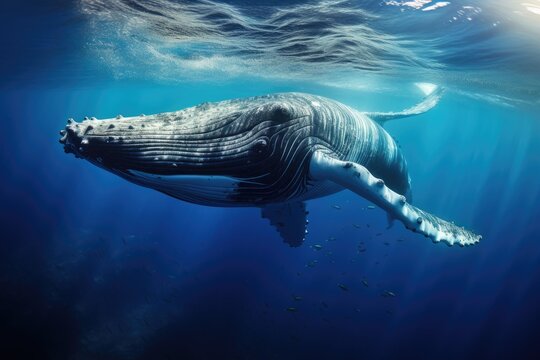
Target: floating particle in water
pixel 366 284
pixel 343 287
pixel 386 243
pixel 297 298
pixel 324 305
pixel 312 263
pixel 378 234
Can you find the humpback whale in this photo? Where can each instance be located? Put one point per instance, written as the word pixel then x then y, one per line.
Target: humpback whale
pixel 274 152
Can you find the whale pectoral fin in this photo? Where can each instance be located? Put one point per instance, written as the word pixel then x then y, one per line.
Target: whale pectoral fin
pixel 358 179
pixel 289 219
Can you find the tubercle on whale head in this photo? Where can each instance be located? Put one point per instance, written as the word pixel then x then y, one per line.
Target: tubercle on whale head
pixel 81 138
pixel 70 138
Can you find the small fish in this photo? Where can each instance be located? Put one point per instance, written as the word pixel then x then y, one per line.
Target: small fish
pixel 356 226
pixel 297 298
pixel 361 249
pixel 365 283
pixel 337 207
pixel 317 247
pixel 378 234
pixel 331 238
pixel 388 293
pixel 343 287
pixel 325 305
pixel 292 309
pixel 371 207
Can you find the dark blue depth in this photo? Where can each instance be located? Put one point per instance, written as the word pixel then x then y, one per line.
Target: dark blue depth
pixel 93 267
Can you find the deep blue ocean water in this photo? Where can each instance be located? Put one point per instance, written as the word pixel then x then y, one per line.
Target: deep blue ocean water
pixel 94 267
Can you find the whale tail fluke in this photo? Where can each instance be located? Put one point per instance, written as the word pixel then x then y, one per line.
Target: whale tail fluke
pixel 432 95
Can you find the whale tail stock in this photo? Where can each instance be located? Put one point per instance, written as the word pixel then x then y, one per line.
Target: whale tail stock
pixel 432 95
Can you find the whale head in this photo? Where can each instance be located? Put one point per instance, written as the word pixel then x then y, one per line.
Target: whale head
pixel 231 143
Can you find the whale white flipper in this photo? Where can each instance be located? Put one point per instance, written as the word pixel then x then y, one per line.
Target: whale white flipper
pixel 358 179
pixel 289 219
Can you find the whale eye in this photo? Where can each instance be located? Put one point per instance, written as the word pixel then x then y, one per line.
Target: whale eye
pixel 260 146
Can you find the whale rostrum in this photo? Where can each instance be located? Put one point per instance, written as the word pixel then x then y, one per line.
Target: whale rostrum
pixel 274 152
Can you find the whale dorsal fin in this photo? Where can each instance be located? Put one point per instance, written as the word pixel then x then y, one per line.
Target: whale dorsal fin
pixel 289 219
pixel 358 179
pixel 433 95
